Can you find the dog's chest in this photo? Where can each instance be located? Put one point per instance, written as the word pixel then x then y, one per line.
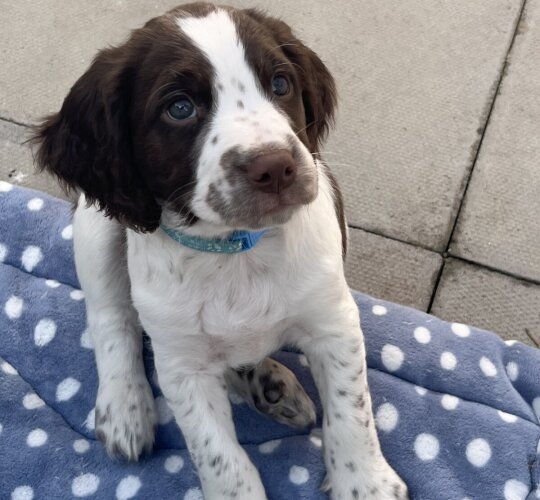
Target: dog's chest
pixel 237 298
pixel 237 306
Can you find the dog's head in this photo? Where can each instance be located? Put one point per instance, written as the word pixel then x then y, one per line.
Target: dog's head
pixel 210 113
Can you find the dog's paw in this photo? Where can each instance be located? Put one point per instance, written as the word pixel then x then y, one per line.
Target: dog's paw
pixel 272 389
pixel 126 418
pixel 383 484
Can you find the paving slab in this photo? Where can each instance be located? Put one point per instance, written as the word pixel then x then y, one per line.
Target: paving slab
pixel 499 222
pixel 16 162
pixel 391 270
pixel 415 79
pixel 477 296
pixel 47 44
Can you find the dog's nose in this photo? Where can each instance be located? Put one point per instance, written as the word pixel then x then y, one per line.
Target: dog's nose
pixel 272 172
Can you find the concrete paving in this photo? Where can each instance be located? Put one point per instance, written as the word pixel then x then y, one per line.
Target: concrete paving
pixel 16 161
pixel 415 87
pixel 499 224
pixel 474 295
pixel 436 138
pixel 399 272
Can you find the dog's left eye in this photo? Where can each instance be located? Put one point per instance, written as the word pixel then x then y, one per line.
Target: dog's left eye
pixel 182 109
pixel 280 85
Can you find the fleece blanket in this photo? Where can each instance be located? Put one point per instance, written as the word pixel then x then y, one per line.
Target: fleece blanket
pixel 457 409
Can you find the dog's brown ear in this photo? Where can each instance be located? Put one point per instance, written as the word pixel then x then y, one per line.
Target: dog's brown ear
pixel 318 87
pixel 88 144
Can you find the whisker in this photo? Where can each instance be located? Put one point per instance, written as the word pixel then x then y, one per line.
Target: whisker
pixel 180 188
pixel 150 100
pixel 286 44
pixel 290 63
pixel 340 165
pixel 327 153
pixel 187 195
pixel 304 128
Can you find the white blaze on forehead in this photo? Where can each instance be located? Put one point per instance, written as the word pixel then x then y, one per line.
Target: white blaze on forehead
pixel 243 115
pixel 236 91
pixel 216 36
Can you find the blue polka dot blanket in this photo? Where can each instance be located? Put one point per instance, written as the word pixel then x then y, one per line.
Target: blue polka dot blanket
pixel 457 409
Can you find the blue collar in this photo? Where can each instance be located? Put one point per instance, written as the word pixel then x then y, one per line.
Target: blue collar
pixel 237 242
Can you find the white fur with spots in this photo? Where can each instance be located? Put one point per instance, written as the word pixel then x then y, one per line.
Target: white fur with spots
pixel 207 312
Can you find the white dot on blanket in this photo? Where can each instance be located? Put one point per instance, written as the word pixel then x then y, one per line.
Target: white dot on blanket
pixel 5 187
pixel 478 452
pixel 14 307
pixel 76 294
pixel 426 447
pixel 507 417
pixel 448 360
pixel 316 441
pixel 449 402
pixel 44 332
pixel 1 428
pixel 38 437
pixel 32 401
pixel 128 487
pixel 165 414
pixel 422 335
pixel 174 464
pixel 387 417
pixel 22 493
pixel 67 389
pixel 90 422
pixel 8 369
pixel 269 446
pixel 3 252
pixel 515 490
pixel 31 257
pixel 303 360
pixel 67 232
pixel 315 436
pixel 52 283
pixel 392 357
pixel 86 340
pixel 194 494
pixel 487 367
pixel 379 310
pixel 81 445
pixel 235 398
pixel 536 407
pixel 420 390
pixel 512 370
pixel 298 475
pixel 85 485
pixel 461 330
pixel 510 342
pixel 35 204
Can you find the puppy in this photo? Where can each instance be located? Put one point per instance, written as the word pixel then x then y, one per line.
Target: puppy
pixel 208 220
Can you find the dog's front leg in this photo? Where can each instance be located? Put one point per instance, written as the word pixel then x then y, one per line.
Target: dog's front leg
pixel 356 467
pixel 202 410
pixel 125 415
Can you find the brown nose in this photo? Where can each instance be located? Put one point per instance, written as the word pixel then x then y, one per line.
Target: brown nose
pixel 272 172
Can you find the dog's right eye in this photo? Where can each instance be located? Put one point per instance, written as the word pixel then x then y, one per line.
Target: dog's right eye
pixel 182 109
pixel 280 85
